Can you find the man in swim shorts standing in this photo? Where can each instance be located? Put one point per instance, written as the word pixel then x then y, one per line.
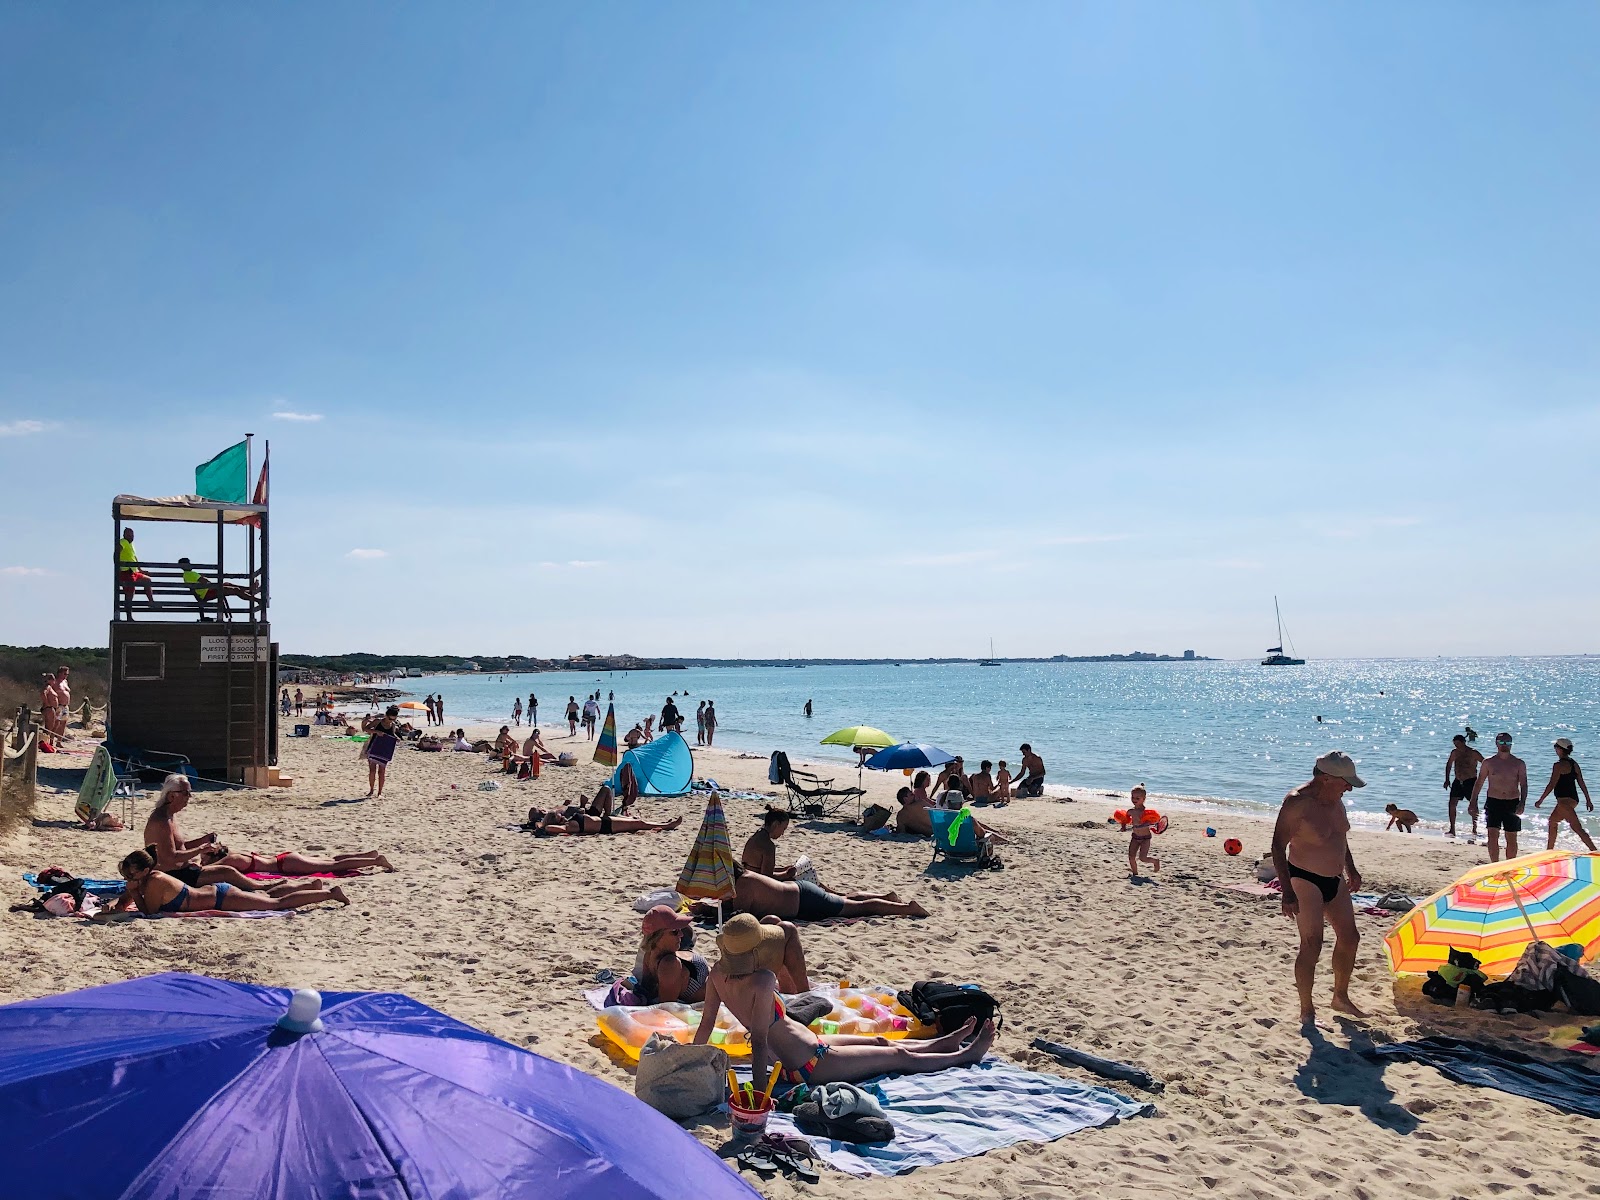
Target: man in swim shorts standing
pixel 1506 777
pixel 1311 851
pixel 1464 761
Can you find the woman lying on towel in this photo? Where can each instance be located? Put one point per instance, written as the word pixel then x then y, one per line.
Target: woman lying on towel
pixel 155 893
pixel 805 901
pixel 177 855
pixel 578 822
pixel 744 979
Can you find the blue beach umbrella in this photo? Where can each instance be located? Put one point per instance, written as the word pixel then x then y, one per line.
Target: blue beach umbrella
pixel 176 1086
pixel 909 755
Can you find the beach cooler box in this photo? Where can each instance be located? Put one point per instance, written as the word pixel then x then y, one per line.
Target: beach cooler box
pixel 302 730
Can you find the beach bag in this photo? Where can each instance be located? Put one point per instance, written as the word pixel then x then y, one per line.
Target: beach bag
pixel 947 1006
pixel 874 817
pixel 680 1081
pixel 1580 993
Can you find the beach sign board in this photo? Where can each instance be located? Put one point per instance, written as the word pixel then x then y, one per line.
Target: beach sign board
pixel 226 649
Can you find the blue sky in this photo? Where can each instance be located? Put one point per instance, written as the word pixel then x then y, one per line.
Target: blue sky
pixel 837 329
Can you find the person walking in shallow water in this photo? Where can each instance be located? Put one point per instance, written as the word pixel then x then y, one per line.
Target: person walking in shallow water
pixel 1311 852
pixel 1506 777
pixel 700 724
pixel 1464 761
pixel 1566 777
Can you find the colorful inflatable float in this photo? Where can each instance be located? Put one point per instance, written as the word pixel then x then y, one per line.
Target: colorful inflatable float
pixel 871 1012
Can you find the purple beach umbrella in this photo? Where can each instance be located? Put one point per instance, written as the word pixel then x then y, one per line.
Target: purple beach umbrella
pixel 184 1087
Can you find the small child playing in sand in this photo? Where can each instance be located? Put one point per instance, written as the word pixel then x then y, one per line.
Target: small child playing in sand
pixel 1403 817
pixel 1141 834
pixel 1002 787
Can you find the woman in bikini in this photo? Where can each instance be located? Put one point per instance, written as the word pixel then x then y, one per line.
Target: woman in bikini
pixel 154 892
pixel 665 968
pixel 1566 777
pixel 744 980
pixel 207 853
pixel 573 821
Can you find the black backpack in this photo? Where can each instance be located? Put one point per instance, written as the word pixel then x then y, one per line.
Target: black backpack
pixel 947 1006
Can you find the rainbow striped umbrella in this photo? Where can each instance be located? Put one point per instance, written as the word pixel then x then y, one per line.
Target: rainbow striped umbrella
pixel 1494 911
pixel 605 750
pixel 708 873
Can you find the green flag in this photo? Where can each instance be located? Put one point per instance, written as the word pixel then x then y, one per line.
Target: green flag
pixel 226 477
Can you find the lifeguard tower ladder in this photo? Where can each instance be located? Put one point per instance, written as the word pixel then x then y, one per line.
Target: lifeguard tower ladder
pixel 193 667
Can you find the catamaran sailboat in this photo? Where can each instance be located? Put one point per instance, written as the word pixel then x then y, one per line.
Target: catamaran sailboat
pixel 1275 655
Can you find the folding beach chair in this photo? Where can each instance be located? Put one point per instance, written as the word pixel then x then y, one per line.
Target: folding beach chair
pixel 964 846
pixel 810 795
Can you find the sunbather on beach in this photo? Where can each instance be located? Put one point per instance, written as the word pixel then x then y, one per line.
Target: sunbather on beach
pixel 1031 781
pixel 153 892
pixel 174 851
pixel 535 745
pixel 912 816
pixel 761 851
pixel 802 901
pixel 570 823
pixel 744 979
pixel 980 786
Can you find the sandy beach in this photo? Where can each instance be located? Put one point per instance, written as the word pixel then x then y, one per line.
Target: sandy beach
pixel 1190 981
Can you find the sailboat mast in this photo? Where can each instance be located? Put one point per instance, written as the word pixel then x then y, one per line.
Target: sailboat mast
pixel 1279 616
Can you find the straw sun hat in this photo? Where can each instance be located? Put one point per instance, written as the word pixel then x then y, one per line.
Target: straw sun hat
pixel 747 945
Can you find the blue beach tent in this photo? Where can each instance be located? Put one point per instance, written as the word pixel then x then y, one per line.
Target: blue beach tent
pixel 177 1086
pixel 663 767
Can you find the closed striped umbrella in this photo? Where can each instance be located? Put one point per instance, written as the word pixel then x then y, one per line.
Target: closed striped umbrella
pixel 708 874
pixel 605 750
pixel 1494 911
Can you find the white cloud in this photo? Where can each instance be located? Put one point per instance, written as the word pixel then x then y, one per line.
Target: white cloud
pixel 23 428
pixel 361 553
pixel 574 564
pixel 23 571
pixel 297 416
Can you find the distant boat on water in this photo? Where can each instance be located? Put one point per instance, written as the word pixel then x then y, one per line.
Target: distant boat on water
pixel 991 661
pixel 1275 655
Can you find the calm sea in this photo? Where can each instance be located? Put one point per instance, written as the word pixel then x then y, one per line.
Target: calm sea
pixel 1222 732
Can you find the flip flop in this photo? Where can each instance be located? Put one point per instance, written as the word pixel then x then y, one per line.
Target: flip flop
pixel 794 1154
pixel 758 1157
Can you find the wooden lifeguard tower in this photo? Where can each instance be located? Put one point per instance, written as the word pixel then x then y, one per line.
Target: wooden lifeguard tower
pixel 193 666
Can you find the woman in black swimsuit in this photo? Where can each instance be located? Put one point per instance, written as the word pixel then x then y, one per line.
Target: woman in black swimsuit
pixel 569 823
pixel 1566 777
pixel 666 969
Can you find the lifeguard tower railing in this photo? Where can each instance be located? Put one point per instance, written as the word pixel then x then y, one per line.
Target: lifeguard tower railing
pixel 242 590
pixel 193 666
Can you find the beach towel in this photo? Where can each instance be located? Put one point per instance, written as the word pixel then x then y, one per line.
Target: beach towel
pixel 1569 1087
pixel 955 1114
pixel 96 887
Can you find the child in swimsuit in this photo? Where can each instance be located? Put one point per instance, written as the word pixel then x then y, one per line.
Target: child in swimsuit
pixel 1141 835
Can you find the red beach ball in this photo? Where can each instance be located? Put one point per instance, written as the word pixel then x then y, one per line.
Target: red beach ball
pixel 1233 846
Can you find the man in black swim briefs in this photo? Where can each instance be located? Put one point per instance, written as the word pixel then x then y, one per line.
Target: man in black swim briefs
pixel 1506 777
pixel 1311 851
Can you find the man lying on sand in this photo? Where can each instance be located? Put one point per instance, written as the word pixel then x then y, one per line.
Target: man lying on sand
pixel 744 979
pixel 155 892
pixel 173 852
pixel 1311 853
pixel 803 901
